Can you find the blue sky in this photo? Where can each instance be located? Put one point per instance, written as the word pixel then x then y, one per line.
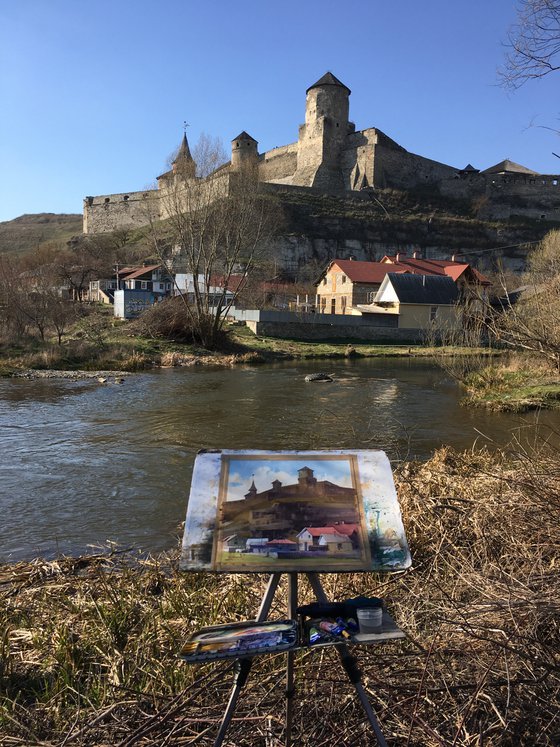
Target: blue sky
pixel 94 94
pixel 263 471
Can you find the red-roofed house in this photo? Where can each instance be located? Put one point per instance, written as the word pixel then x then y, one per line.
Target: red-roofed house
pixel 337 538
pixel 346 283
pixel 153 278
pixel 465 276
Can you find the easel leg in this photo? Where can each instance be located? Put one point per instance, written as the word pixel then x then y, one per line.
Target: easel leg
pixel 350 666
pixel 290 688
pixel 243 666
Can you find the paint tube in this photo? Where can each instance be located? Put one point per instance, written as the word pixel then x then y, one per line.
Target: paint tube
pixel 314 635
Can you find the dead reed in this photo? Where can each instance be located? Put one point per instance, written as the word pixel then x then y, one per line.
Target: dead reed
pixel 88 645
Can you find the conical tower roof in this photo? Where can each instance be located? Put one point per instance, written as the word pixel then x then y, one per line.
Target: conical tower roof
pixel 511 167
pixel 328 79
pixel 244 136
pixel 184 153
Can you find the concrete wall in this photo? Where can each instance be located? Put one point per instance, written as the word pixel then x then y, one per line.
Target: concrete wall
pixel 129 304
pixel 373 327
pixel 303 331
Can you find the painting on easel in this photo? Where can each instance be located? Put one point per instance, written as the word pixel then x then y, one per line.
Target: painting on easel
pixel 293 511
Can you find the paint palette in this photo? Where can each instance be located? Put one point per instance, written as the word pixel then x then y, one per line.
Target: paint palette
pixel 240 640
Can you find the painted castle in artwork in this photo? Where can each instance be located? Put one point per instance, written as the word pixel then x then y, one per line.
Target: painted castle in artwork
pixel 307 520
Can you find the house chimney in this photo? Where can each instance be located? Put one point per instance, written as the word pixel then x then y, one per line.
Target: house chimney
pixel 416 254
pixel 398 257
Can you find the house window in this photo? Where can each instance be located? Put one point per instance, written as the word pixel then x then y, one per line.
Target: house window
pixel 343 304
pixel 143 284
pixel 433 313
pixel 324 281
pixel 371 296
pixel 333 305
pixel 344 278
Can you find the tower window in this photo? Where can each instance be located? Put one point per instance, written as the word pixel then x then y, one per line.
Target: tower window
pixel 107 200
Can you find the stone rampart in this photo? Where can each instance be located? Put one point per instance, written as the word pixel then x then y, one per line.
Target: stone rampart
pixel 531 196
pixel 403 170
pixel 278 164
pixel 106 213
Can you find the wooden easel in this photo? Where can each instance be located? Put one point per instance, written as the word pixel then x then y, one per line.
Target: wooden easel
pixel 243 665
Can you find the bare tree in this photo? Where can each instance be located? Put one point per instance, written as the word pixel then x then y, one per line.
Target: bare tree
pixel 532 322
pixel 31 299
pixel 533 42
pixel 217 225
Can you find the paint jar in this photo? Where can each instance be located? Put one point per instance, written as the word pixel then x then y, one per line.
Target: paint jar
pixel 370 619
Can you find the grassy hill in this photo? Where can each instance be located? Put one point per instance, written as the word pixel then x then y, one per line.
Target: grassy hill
pixel 28 232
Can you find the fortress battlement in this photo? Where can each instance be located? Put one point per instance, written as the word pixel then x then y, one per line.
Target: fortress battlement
pixel 332 157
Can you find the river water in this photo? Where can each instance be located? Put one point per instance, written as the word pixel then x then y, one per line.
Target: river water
pixel 83 463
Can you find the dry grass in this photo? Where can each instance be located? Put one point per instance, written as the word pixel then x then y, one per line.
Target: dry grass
pixel 88 646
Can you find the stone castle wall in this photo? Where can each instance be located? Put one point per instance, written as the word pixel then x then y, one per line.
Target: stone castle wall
pixel 330 156
pixel 502 197
pixel 278 166
pixel 403 170
pixel 106 213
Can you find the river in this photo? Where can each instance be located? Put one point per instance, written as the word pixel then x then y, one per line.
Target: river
pixel 83 463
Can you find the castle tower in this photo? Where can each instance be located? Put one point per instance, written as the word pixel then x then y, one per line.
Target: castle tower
pixel 244 153
pixel 322 137
pixel 251 493
pixel 183 165
pixel 305 476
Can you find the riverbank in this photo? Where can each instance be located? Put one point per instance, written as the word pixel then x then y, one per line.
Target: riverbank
pixel 89 644
pixel 121 350
pixel 517 386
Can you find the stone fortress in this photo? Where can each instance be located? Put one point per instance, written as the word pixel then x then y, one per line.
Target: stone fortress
pixel 332 157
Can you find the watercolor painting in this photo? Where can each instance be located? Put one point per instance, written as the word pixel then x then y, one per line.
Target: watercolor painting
pixel 293 511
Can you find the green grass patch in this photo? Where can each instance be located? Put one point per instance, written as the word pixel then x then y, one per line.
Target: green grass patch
pixel 505 389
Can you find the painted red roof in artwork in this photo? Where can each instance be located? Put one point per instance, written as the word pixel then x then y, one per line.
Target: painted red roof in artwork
pixel 343 529
pixel 281 542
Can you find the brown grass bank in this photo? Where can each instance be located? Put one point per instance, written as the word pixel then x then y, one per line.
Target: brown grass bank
pixel 88 645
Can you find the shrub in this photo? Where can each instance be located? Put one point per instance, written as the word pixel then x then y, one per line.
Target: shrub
pixel 169 319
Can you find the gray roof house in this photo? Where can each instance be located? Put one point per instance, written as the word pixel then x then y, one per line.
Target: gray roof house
pixel 419 300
